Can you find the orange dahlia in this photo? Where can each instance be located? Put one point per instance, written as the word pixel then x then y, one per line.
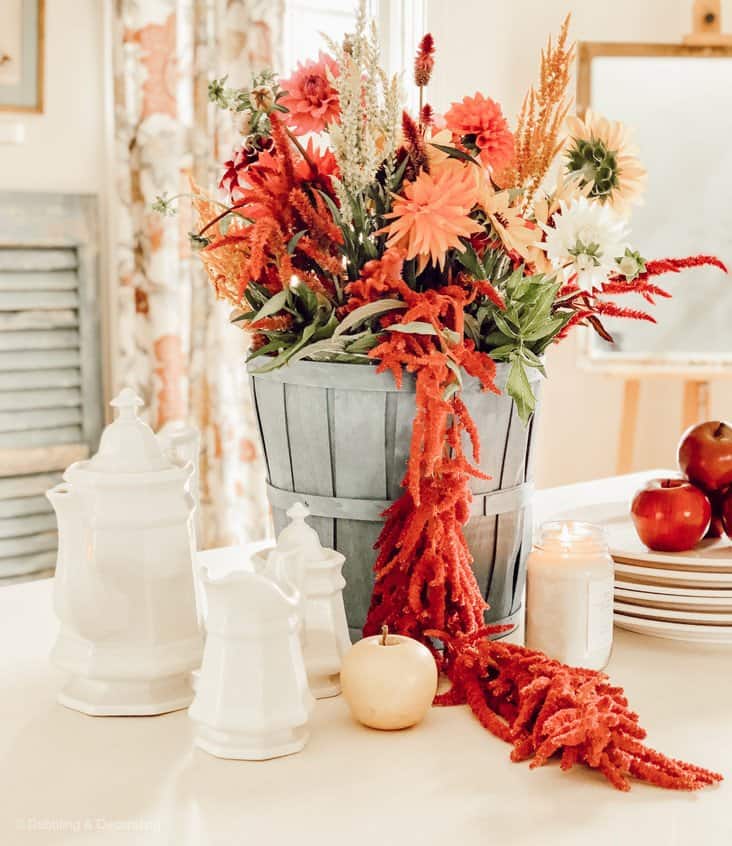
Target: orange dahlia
pixel 478 123
pixel 433 214
pixel 311 99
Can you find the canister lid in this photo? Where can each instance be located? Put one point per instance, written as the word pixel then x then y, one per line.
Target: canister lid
pixel 128 445
pixel 297 536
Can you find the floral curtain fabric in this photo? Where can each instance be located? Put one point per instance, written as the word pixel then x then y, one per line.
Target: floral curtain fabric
pixel 174 346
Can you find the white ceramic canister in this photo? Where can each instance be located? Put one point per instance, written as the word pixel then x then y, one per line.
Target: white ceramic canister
pixel 315 570
pixel 123 590
pixel 569 594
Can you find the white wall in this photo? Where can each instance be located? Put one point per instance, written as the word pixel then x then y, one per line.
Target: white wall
pixel 64 147
pixel 493 46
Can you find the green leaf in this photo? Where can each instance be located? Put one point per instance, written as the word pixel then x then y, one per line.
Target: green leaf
pixel 332 207
pixel 532 360
pixel 503 351
pixel 454 153
pixel 328 345
pixel 367 311
pixel 470 261
pixel 416 327
pixel 503 326
pixel 496 339
pixel 287 354
pixel 452 336
pixel 341 357
pixel 306 296
pixel 292 243
pixel 363 343
pixel 256 295
pixel 399 174
pixel 326 330
pixel 518 388
pixel 267 348
pixel 274 304
pixel 550 327
pixel 472 329
pixel 245 315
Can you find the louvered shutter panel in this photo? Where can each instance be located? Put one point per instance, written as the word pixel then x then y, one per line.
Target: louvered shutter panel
pixel 50 397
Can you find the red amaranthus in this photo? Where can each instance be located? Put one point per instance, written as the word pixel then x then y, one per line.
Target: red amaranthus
pixel 423 569
pixel 544 708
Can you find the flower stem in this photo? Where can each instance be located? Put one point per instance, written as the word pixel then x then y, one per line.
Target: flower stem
pixel 227 210
pixel 301 150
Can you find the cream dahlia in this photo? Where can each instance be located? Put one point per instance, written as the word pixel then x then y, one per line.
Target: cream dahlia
pixel 585 240
pixel 601 154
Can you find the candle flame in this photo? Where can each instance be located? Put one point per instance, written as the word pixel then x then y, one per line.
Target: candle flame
pixel 565 535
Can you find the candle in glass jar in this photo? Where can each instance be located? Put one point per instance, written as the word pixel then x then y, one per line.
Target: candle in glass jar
pixel 569 595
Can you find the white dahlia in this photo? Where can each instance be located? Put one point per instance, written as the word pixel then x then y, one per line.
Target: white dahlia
pixel 586 239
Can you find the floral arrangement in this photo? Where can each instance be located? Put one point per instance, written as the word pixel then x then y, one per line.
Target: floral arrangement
pixel 429 244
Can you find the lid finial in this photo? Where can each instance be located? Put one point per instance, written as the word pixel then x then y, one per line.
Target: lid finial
pixel 127 402
pixel 298 535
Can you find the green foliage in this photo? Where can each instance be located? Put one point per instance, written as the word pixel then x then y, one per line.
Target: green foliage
pixel 361 243
pixel 520 333
pixel 314 332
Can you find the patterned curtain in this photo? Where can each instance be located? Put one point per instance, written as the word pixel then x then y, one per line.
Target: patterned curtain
pixel 174 345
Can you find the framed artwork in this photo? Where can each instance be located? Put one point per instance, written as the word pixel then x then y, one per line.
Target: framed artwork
pixel 21 55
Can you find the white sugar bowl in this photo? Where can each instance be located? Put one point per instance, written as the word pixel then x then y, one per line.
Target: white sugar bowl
pixel 124 590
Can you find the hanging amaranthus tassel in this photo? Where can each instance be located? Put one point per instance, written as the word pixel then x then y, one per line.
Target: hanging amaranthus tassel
pixel 545 708
pixel 423 571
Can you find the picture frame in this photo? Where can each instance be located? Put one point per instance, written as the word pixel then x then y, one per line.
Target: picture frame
pixel 594 355
pixel 22 30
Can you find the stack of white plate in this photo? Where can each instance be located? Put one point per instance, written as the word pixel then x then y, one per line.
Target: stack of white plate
pixel 677 595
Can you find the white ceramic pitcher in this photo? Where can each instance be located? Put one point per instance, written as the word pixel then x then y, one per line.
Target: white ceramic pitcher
pixel 123 591
pixel 252 697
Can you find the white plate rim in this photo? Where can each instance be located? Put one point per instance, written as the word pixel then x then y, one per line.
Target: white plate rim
pixel 675 631
pixel 624 594
pixel 691 618
pixel 682 577
pixel 674 590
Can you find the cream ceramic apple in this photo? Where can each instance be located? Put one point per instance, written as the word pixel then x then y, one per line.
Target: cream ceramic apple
pixel 389 681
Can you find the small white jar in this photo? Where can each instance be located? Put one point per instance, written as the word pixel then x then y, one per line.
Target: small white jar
pixel 569 595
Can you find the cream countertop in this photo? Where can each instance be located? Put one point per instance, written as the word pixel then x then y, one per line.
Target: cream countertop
pixel 66 778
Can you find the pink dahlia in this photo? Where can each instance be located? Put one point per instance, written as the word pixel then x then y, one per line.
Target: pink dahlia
pixel 311 99
pixel 478 123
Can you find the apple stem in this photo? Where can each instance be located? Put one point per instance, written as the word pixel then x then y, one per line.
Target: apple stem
pixel 384 634
pixel 719 431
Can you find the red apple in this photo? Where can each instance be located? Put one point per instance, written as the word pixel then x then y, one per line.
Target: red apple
pixel 670 515
pixel 705 455
pixel 727 512
pixel 716 527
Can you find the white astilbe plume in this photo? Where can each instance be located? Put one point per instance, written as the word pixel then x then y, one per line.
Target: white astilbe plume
pixel 370 106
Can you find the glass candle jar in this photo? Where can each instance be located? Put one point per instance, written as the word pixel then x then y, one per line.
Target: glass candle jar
pixel 569 595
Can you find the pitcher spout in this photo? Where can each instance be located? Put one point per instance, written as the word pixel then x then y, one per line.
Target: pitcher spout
pixel 65 503
pixel 82 601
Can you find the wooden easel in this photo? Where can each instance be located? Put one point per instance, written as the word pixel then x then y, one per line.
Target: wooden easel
pixel 707 25
pixel 706 31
